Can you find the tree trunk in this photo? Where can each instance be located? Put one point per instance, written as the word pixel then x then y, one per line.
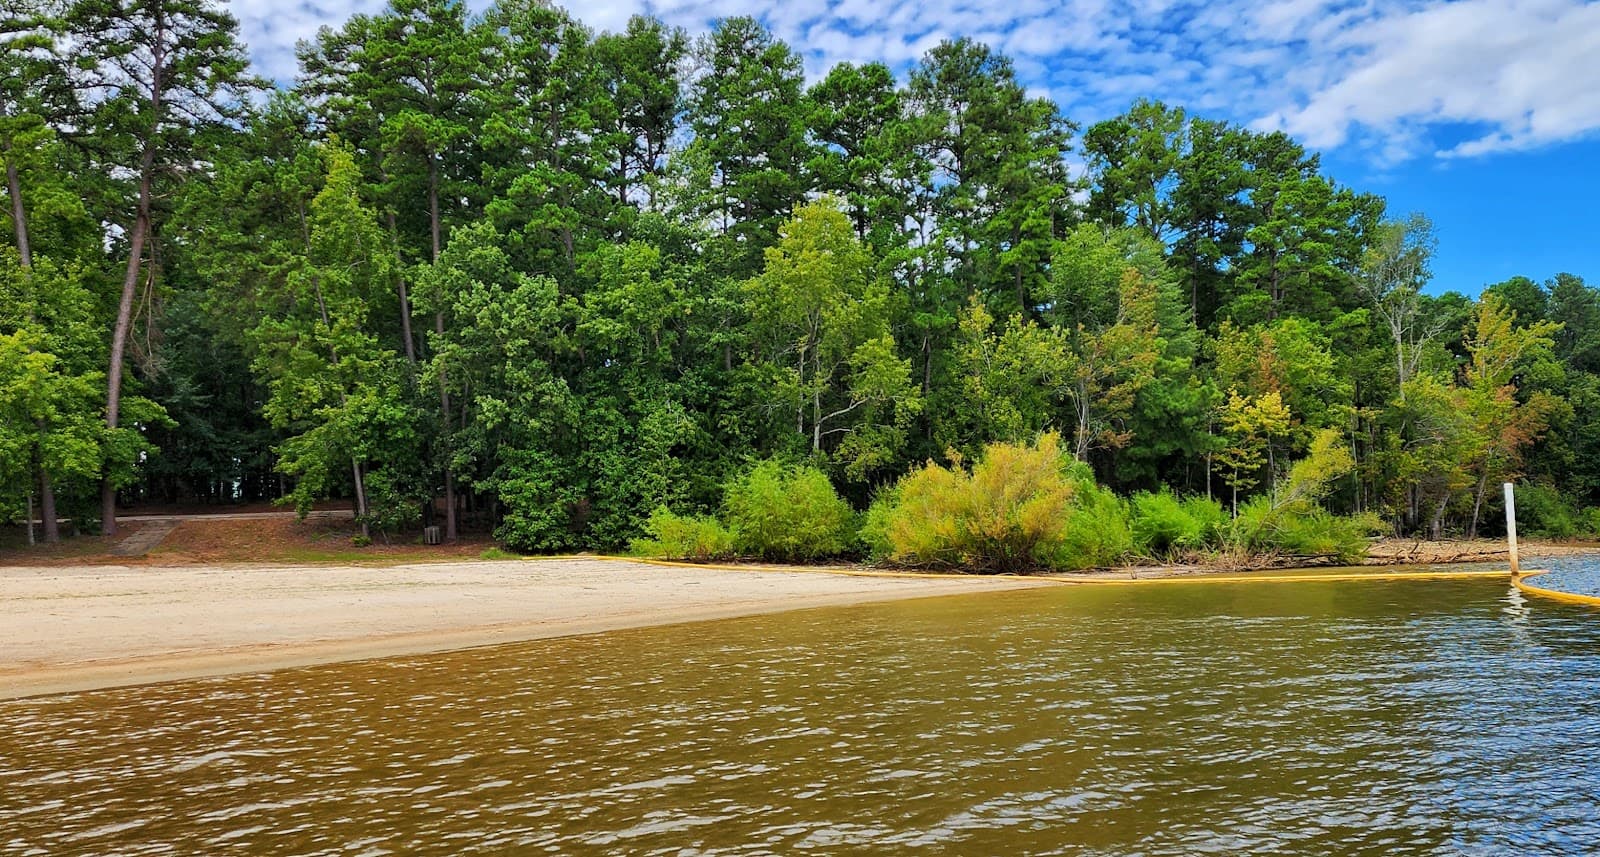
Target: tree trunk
pixel 1436 527
pixel 438 327
pixel 405 324
pixel 1400 365
pixel 119 334
pixel 405 297
pixel 433 204
pixel 800 406
pixel 47 507
pixel 361 499
pixel 19 214
pixel 1477 506
pixel 927 363
pixel 449 472
pixel 816 418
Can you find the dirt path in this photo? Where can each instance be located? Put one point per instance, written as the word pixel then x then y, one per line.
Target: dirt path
pixel 329 514
pixel 82 628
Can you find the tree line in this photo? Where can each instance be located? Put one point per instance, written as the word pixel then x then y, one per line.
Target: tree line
pixel 500 271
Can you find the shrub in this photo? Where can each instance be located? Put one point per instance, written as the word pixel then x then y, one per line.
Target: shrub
pixel 391 507
pixel 788 513
pixel 674 536
pixel 1163 524
pixel 1019 507
pixel 873 534
pixel 1546 512
pixel 1097 533
pixel 1591 522
pixel 1301 531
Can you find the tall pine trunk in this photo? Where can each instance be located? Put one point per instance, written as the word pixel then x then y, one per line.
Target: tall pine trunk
pixel 438 327
pixel 119 334
pixel 19 214
pixel 405 296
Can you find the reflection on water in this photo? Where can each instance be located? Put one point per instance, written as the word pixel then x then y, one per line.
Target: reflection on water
pixel 1319 718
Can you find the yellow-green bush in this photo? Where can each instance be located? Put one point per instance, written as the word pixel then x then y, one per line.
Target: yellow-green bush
pixel 1019 507
pixel 674 536
pixel 788 513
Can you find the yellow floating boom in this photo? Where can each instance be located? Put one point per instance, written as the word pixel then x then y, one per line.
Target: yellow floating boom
pixel 1520 581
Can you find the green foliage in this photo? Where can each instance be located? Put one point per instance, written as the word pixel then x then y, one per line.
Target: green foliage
pixel 673 536
pixel 1097 532
pixel 1020 507
pixel 1290 520
pixel 573 277
pixel 826 320
pixel 1164 525
pixel 1261 528
pixel 1589 523
pixel 873 534
pixel 1544 512
pixel 788 513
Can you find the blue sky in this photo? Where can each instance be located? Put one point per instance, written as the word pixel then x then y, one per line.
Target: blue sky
pixel 1482 114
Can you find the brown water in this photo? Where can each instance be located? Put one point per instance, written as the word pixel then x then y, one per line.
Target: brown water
pixel 1308 718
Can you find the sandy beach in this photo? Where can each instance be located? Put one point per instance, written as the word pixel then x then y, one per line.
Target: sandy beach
pixel 66 629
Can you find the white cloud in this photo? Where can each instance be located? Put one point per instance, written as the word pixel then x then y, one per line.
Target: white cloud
pixel 1397 78
pixel 1526 73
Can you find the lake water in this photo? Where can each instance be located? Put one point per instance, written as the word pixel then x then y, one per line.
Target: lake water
pixel 1579 575
pixel 1415 717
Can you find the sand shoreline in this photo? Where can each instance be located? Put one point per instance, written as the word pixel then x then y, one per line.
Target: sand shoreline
pixel 71 629
pixel 75 628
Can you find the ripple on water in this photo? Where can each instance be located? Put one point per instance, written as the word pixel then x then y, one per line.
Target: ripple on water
pixel 1578 575
pixel 1353 718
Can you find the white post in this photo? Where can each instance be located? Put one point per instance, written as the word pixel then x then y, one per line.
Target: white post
pixel 1511 529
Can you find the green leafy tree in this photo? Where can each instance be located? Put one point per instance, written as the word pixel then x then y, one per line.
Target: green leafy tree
pixel 1106 298
pixel 1306 236
pixel 54 438
pixel 1008 381
pixel 1503 425
pixel 1000 186
pixel 832 356
pixel 1134 160
pixel 332 386
pixel 1393 272
pixel 516 439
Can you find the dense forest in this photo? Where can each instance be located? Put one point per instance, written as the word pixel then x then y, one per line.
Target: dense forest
pixel 503 273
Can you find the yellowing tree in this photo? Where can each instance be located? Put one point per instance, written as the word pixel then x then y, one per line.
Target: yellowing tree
pixel 1503 426
pixel 1249 424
